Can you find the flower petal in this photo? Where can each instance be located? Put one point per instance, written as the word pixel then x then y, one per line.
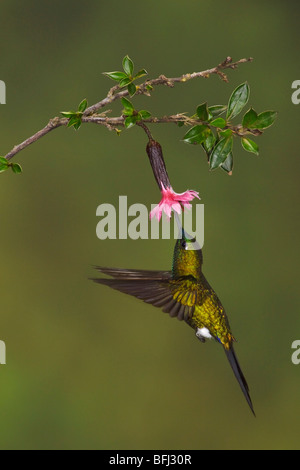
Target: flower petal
pixel 173 201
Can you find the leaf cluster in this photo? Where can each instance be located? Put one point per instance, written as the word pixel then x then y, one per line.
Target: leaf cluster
pixel 216 131
pixel 127 77
pixel 75 117
pixel 5 165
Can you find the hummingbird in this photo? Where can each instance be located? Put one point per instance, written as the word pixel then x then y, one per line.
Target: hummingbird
pixel 183 293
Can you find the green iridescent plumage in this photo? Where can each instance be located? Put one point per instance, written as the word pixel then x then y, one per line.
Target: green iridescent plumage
pixel 183 293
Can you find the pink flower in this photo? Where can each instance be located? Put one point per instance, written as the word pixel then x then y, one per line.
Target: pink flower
pixel 171 200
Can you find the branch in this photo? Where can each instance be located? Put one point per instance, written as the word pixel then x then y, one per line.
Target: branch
pixel 116 93
pixel 52 124
pixel 113 123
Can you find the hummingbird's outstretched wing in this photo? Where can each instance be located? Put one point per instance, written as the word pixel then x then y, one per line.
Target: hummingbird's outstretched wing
pixel 154 287
pixel 231 356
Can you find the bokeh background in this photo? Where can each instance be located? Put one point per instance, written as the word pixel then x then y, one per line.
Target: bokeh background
pixel 87 367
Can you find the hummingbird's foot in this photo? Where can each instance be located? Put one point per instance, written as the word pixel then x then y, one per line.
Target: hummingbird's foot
pixel 203 334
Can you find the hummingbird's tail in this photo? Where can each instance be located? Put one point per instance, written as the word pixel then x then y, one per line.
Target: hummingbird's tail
pixel 231 356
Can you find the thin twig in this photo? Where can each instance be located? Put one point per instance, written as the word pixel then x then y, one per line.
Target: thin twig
pixel 115 122
pixel 114 93
pixel 52 124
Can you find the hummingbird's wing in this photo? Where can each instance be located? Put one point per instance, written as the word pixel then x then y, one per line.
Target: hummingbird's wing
pixel 177 298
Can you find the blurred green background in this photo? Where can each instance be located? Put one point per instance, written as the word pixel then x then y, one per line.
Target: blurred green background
pixel 88 367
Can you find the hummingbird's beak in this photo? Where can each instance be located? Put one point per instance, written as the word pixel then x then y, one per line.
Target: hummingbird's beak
pixel 179 225
pixel 183 235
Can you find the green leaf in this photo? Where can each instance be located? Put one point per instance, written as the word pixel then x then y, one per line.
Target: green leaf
pixel 217 109
pixel 143 114
pixel 3 161
pixel 209 142
pixel 250 118
pixel 131 88
pixel 130 121
pixel 228 164
pixel 3 168
pixel 219 122
pixel 82 106
pixel 250 146
pixel 196 135
pixel 220 152
pixel 265 119
pixel 238 100
pixel 128 65
pixel 68 114
pixel 75 121
pixel 117 76
pixel 141 73
pixel 125 82
pixel 128 107
pixel 226 133
pixel 202 112
pixel 3 164
pixel 16 168
pixel 77 124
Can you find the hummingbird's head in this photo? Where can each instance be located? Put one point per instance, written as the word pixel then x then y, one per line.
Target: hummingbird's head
pixel 187 258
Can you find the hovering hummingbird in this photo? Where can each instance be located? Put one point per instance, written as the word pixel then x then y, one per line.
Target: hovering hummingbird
pixel 183 293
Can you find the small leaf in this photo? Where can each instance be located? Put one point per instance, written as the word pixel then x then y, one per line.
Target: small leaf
pixel 131 88
pixel 202 112
pixel 16 168
pixel 219 122
pixel 3 164
pixel 250 146
pixel 196 135
pixel 3 161
pixel 220 152
pixel 125 81
pixel 3 168
pixel 265 119
pixel 130 121
pixel 68 114
pixel 75 121
pixel 217 109
pixel 250 118
pixel 238 100
pixel 128 65
pixel 117 76
pixel 226 133
pixel 209 142
pixel 82 106
pixel 228 164
pixel 77 124
pixel 128 107
pixel 143 114
pixel 141 73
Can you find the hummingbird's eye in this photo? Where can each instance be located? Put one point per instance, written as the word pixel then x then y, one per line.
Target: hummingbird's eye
pixel 183 244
